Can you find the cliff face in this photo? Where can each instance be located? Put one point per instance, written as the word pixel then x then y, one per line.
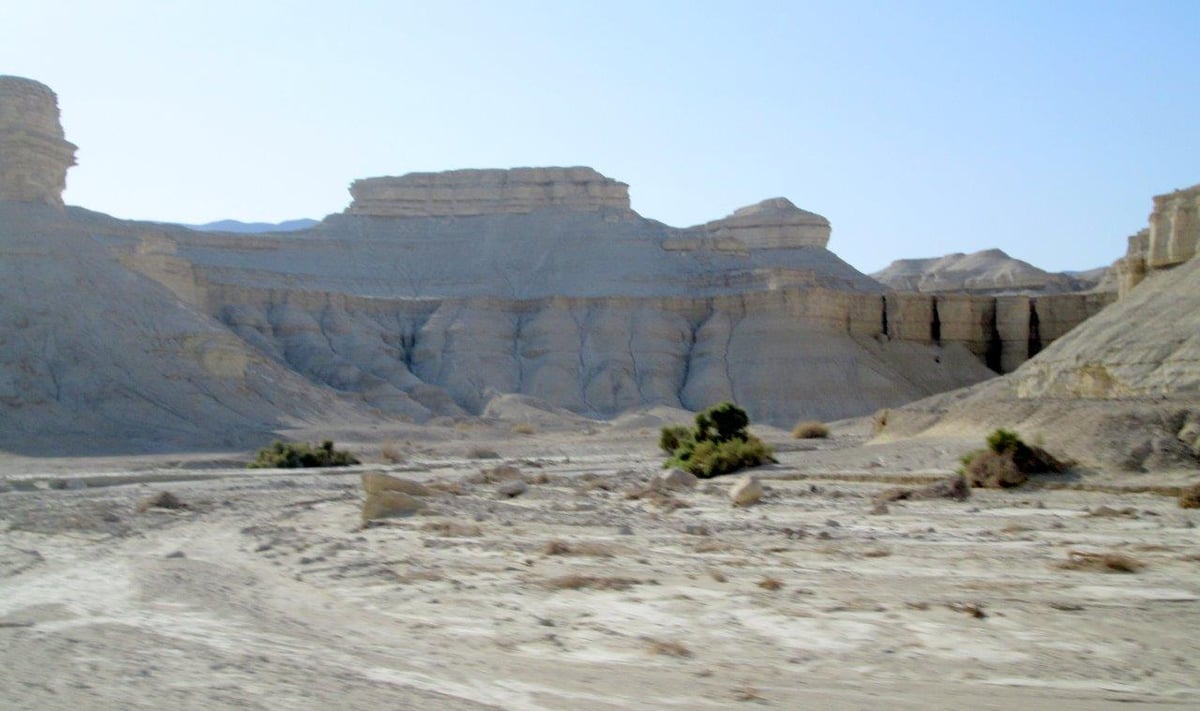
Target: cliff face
pixel 1170 240
pixel 34 156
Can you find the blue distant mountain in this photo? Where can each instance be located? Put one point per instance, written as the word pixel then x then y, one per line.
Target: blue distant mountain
pixel 254 227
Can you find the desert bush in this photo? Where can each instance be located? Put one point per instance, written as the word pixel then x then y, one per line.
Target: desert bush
pixel 719 443
pixel 482 453
pixel 1189 497
pixel 524 428
pixel 671 437
pixel 296 455
pixel 810 429
pixel 391 453
pixel 1008 461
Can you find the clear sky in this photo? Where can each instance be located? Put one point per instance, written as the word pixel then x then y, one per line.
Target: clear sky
pixel 918 128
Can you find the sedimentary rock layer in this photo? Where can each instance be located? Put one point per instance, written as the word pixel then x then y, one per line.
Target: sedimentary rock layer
pixel 34 156
pixel 461 193
pixel 1172 238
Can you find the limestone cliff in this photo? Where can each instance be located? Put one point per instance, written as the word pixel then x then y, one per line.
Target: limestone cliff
pixel 462 193
pixel 1171 238
pixel 34 155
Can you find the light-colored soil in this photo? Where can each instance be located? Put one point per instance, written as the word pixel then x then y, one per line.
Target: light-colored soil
pixel 265 593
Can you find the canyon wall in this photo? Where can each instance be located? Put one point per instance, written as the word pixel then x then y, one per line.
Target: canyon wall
pixel 34 156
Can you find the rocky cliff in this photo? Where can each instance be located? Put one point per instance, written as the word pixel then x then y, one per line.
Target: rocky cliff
pixel 34 155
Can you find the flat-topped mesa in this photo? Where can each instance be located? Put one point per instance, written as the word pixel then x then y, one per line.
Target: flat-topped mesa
pixel 1172 238
pixel 464 193
pixel 34 155
pixel 770 224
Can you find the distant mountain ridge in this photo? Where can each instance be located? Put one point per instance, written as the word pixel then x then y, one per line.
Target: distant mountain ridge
pixel 253 227
pixel 990 272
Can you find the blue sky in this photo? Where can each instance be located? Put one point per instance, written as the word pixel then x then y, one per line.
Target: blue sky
pixel 917 128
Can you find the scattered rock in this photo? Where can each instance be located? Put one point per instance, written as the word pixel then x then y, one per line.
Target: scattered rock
pixel 879 509
pixel 513 488
pixel 1189 497
pixel 374 483
pixel 676 479
pixel 388 504
pixel 746 492
pixel 624 530
pixel 176 554
pixel 832 524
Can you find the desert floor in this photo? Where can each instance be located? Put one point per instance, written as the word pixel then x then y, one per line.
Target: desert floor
pixel 265 592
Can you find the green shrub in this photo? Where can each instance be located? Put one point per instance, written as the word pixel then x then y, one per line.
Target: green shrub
pixel 719 444
pixel 296 455
pixel 671 438
pixel 1003 440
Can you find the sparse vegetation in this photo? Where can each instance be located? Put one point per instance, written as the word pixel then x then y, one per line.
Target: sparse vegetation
pixel 810 429
pixel 297 455
pixel 161 500
pixel 1102 562
pixel 718 444
pixel 390 452
pixel 557 547
pixel 482 453
pixel 1189 497
pixel 1008 461
pixel 524 428
pixel 769 583
pixel 580 582
pixel 669 648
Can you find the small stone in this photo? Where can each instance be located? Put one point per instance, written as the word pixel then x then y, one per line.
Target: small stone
pixel 676 479
pixel 879 509
pixel 746 491
pixel 833 524
pixel 512 488
pixel 624 530
pixel 176 554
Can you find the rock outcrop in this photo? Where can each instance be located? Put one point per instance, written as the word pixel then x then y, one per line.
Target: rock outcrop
pixel 466 193
pixel 34 155
pixel 770 224
pixel 1171 239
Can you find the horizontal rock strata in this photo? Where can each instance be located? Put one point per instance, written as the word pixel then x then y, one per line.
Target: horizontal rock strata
pixel 34 156
pixel 462 193
pixel 1172 238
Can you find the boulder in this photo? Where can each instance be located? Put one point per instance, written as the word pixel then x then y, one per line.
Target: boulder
pixel 373 483
pixel 389 504
pixel 512 488
pixel 746 492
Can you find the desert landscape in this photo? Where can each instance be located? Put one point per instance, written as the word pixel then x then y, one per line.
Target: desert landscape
pixel 501 349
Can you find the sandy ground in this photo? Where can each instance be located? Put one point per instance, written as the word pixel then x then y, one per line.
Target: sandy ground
pixel 266 593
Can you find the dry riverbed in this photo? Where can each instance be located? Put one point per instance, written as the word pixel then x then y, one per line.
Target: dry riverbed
pixel 265 592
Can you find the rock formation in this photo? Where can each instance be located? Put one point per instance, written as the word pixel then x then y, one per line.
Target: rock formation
pixel 465 193
pixel 434 294
pixel 34 156
pixel 990 272
pixel 1171 238
pixel 1120 389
